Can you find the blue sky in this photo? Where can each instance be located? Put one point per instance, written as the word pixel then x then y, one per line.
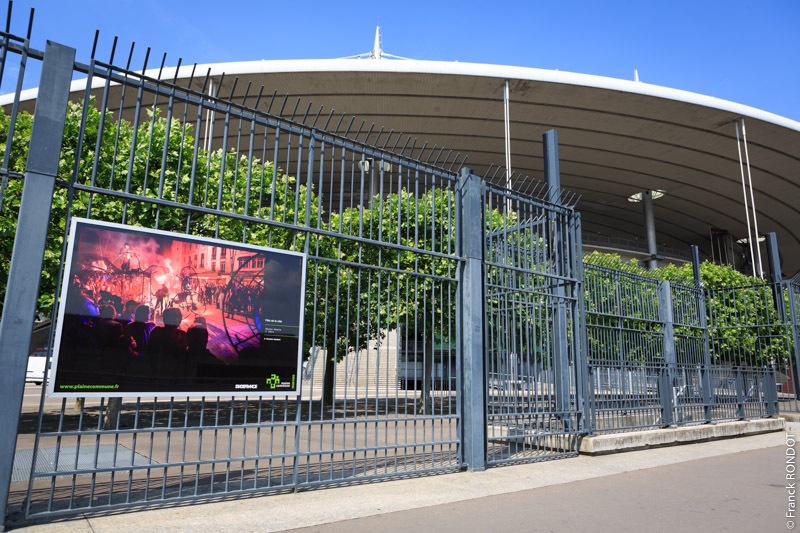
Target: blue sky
pixel 744 51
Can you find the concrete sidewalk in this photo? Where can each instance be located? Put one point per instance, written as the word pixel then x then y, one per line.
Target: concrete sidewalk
pixel 475 490
pixel 734 492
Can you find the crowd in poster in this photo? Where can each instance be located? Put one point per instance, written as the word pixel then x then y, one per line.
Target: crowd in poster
pixel 146 312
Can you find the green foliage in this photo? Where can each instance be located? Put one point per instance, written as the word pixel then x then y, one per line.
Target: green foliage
pixel 375 278
pixel 154 175
pixel 623 323
pixel 369 271
pixel 745 326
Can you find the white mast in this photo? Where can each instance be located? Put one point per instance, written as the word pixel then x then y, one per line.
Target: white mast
pixel 377 52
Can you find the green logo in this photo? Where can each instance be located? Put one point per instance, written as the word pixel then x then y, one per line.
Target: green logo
pixel 273 381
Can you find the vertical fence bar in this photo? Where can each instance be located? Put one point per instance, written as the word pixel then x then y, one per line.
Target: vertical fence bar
pixel 665 394
pixel 770 385
pixel 29 245
pixel 740 392
pixel 793 367
pixel 670 355
pixel 775 276
pixel 471 298
pixel 706 373
pixel 582 362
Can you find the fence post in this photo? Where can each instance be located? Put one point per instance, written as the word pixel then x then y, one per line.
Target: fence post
pixel 471 299
pixel 770 386
pixel 670 357
pixel 556 247
pixel 583 375
pixel 27 257
pixel 794 368
pixel 706 373
pixel 741 387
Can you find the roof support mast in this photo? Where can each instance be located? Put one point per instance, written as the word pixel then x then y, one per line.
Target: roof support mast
pixel 650 229
pixel 507 128
pixel 746 207
pixel 752 203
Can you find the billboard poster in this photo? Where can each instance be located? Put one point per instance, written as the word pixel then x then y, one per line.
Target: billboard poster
pixel 152 313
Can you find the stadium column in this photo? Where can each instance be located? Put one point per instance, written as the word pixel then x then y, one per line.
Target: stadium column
pixel 557 246
pixel 650 229
pixel 22 288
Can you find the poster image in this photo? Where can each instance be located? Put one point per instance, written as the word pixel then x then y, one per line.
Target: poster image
pixel 152 313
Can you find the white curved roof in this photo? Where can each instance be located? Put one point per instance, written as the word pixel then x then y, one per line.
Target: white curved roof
pixel 616 137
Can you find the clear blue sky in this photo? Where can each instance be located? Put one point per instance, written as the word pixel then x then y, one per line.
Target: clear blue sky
pixel 744 51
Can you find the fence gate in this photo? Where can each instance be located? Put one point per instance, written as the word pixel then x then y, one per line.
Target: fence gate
pixel 534 404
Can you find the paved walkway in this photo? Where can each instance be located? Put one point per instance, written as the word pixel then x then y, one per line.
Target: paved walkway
pixel 727 485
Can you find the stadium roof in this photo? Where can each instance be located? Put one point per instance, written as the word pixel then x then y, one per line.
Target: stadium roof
pixel 616 138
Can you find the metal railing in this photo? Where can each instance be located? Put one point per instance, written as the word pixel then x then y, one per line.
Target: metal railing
pixel 669 353
pixel 448 322
pixel 375 216
pixel 534 402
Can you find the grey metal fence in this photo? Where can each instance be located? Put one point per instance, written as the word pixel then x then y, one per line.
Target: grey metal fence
pixel 670 353
pixel 534 399
pixel 375 214
pixel 449 322
pixel 625 349
pixel 787 363
pixel 748 337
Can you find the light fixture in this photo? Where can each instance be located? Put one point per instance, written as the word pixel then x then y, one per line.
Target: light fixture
pixel 745 240
pixel 366 164
pixel 637 197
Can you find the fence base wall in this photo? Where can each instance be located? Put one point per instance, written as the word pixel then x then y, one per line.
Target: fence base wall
pixel 638 440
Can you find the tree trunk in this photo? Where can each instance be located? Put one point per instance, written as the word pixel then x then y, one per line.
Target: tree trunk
pixel 112 410
pixel 426 400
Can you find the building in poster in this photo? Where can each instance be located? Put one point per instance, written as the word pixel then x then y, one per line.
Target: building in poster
pixel 147 312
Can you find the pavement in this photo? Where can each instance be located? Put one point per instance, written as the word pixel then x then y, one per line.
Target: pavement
pixel 723 485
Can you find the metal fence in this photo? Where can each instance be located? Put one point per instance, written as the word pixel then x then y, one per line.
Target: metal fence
pixel 625 343
pixel 375 214
pixel 787 362
pixel 748 336
pixel 664 352
pixel 449 322
pixel 534 402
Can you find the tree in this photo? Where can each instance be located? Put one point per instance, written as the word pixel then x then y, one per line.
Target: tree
pixel 742 317
pixel 374 276
pixel 154 161
pixel 220 182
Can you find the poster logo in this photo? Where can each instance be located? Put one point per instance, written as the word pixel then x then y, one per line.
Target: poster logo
pixel 273 381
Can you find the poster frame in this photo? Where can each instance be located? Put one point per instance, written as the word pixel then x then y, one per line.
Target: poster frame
pixel 110 393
